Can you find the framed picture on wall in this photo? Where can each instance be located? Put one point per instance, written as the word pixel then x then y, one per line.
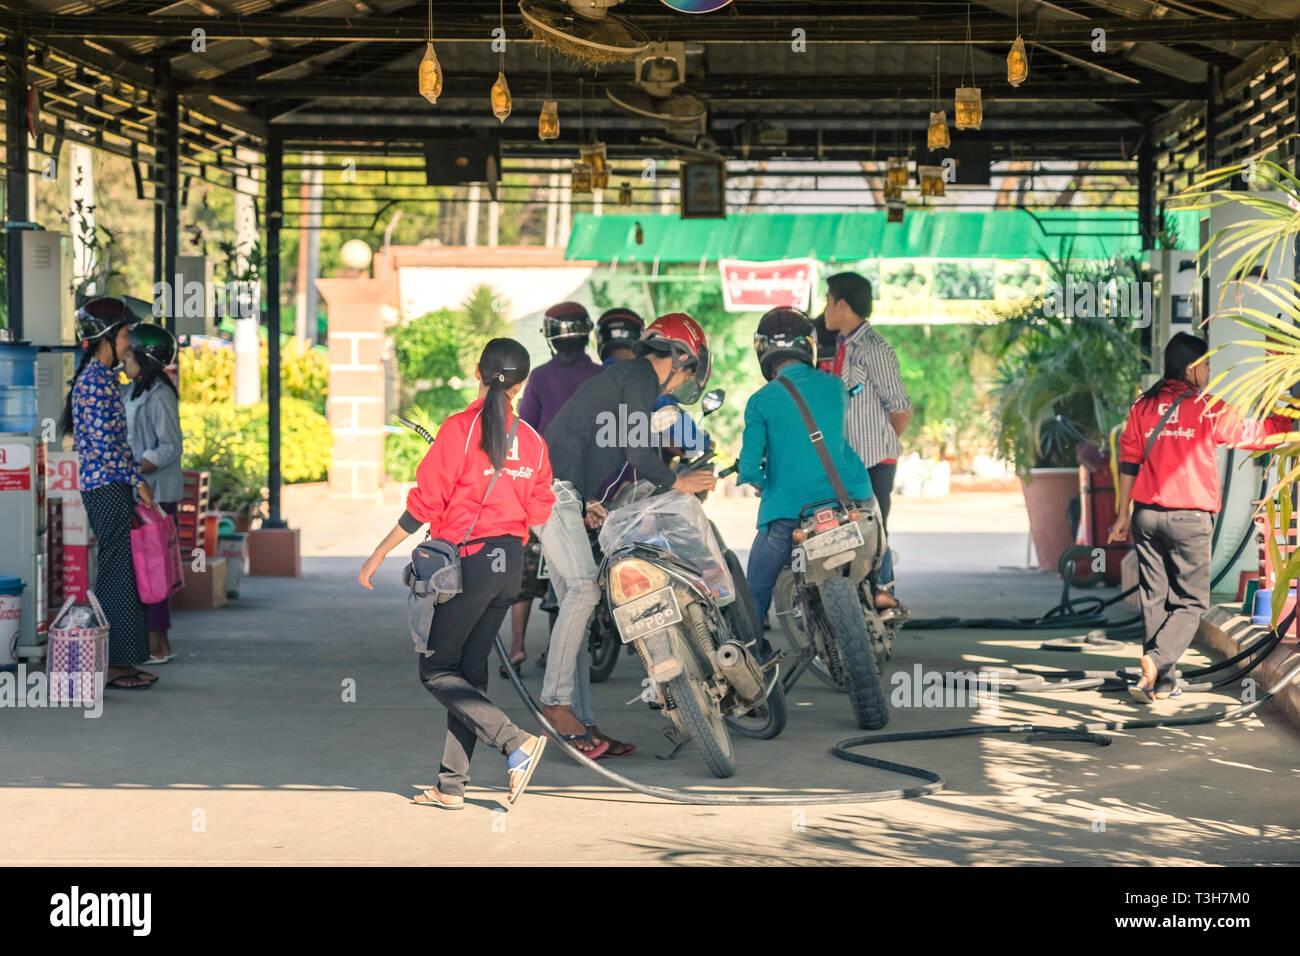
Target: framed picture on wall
pixel 704 190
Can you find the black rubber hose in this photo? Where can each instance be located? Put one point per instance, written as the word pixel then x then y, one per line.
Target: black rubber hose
pixel 933 782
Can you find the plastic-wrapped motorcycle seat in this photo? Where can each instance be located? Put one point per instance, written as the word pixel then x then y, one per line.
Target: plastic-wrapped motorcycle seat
pixel 674 521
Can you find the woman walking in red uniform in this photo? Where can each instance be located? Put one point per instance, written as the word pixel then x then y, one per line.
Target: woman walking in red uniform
pixel 1169 469
pixel 452 496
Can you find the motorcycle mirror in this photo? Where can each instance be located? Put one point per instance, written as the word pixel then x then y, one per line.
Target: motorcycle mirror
pixel 712 400
pixel 664 418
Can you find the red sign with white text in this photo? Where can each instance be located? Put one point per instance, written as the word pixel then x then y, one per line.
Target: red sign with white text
pixel 15 468
pixel 759 286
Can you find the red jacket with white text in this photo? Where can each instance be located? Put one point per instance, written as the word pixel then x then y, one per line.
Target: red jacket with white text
pixel 453 477
pixel 1183 470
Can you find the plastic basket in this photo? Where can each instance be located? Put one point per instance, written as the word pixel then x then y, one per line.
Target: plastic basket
pixel 77 657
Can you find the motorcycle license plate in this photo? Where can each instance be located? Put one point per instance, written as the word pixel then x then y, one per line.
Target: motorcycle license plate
pixel 847 537
pixel 647 614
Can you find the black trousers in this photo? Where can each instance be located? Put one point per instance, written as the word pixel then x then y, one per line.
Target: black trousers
pixel 882 484
pixel 1173 548
pixel 456 670
pixel 110 509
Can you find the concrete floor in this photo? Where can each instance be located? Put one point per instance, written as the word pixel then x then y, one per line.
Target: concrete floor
pixel 245 752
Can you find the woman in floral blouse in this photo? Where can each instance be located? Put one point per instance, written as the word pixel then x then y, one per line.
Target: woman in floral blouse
pixel 110 480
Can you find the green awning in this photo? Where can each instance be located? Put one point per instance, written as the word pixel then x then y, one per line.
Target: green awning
pixel 849 237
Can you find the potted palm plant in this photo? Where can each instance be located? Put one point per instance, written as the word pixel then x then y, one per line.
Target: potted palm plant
pixel 1254 250
pixel 1062 378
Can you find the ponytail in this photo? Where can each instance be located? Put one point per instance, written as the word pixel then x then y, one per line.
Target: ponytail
pixel 503 365
pixel 87 356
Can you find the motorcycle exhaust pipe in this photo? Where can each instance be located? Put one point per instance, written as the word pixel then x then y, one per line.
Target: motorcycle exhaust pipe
pixel 741 671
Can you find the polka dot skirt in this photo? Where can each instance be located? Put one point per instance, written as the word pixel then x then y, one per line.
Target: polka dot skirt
pixel 111 509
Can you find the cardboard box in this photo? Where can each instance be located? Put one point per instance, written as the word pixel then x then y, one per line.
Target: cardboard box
pixel 203 589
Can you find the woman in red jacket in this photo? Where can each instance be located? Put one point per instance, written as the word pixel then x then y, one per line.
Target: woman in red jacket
pixel 1173 482
pixel 451 494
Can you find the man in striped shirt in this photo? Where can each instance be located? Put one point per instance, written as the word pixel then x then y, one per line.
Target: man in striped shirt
pixel 879 407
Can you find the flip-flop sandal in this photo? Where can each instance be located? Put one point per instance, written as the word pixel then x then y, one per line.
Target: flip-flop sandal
pixel 160 660
pixel 116 683
pixel 517 665
pixel 597 748
pixel 526 767
pixel 613 746
pixel 435 801
pixel 1165 695
pixel 1140 695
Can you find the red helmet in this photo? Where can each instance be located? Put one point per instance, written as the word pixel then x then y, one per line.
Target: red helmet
pixel 680 336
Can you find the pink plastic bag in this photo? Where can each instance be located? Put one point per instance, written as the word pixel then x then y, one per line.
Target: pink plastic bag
pixel 156 553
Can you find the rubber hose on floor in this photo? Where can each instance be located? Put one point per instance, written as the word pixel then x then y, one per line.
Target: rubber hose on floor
pixel 933 782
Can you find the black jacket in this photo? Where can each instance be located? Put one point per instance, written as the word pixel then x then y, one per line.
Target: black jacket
pixel 604 425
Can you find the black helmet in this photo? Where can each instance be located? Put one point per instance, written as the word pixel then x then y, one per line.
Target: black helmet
pixel 784 333
pixel 154 341
pixel 567 320
pixel 101 317
pixel 617 328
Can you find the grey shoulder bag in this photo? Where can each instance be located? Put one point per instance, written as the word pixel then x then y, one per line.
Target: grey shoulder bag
pixel 434 572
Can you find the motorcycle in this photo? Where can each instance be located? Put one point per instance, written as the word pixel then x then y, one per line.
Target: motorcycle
pixel 677 596
pixel 826 605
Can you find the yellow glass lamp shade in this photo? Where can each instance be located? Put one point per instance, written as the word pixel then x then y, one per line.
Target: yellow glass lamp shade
pixel 548 121
pixel 936 136
pixel 594 156
pixel 970 108
pixel 430 75
pixel 1017 63
pixel 894 211
pixel 625 194
pixel 931 178
pixel 896 171
pixel 501 98
pixel 582 178
pixel 893 192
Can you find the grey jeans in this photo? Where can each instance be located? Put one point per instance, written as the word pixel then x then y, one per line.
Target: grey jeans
pixel 573 575
pixel 1173 548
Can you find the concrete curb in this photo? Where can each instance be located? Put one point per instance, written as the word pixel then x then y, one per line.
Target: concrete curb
pixel 1227 630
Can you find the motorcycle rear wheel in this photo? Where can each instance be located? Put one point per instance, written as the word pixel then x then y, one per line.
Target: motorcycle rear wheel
pixel 848 624
pixel 787 612
pixel 698 716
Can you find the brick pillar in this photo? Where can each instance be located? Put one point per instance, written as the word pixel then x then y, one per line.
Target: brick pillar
pixel 356 382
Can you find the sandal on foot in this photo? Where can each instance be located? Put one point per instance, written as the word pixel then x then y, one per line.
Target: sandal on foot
pixel 436 798
pixel 1140 695
pixel 598 747
pixel 518 666
pixel 617 748
pixel 521 766
pixel 138 685
pixel 1166 694
pixel 155 659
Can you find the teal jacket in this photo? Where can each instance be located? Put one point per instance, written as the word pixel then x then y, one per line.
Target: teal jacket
pixel 778 458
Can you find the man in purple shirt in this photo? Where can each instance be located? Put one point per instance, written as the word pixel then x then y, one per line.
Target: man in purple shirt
pixel 567 328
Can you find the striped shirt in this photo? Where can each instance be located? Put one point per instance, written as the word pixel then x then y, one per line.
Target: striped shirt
pixel 870 361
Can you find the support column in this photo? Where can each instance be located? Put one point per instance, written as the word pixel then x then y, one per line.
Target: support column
pixel 471 216
pixel 274 219
pixel 1146 191
pixel 16 208
pixel 170 122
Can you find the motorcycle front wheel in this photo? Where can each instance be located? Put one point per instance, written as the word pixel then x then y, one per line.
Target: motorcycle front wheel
pixel 603 643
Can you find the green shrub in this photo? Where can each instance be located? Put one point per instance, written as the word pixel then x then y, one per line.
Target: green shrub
pixel 233 441
pixel 208 374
